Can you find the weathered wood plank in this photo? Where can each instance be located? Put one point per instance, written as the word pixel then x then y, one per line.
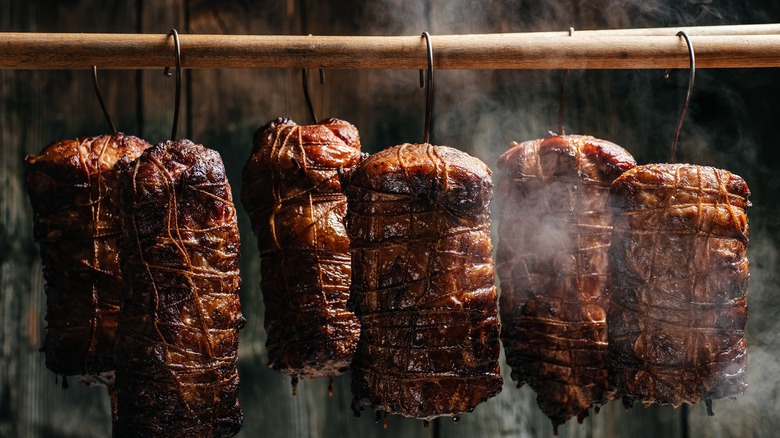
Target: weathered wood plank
pixel 227 107
pixel 729 125
pixel 39 107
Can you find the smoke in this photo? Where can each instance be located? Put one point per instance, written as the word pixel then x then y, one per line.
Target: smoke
pixel 729 123
pixel 526 102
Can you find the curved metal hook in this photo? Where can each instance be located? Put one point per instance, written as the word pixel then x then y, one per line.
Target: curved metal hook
pixel 177 101
pixel 562 103
pixel 687 102
pixel 429 93
pixel 100 99
pixel 305 78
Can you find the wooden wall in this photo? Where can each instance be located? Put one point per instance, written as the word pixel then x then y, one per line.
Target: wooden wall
pixel 731 125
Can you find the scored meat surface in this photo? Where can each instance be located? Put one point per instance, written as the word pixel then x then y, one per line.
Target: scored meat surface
pixel 292 193
pixel 422 283
pixel 180 312
pixel 72 186
pixel 679 285
pixel 554 232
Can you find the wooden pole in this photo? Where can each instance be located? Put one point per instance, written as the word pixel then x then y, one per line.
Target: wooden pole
pixel 745 29
pixel 487 51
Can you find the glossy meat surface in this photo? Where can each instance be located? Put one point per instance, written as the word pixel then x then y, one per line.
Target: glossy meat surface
pixel 72 186
pixel 554 232
pixel 180 312
pixel 294 199
pixel 422 283
pixel 679 285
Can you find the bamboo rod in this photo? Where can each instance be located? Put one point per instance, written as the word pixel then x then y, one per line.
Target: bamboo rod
pixel 487 51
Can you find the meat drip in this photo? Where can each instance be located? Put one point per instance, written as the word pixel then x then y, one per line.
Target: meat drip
pixel 679 285
pixel 294 199
pixel 72 186
pixel 422 282
pixel 180 312
pixel 554 233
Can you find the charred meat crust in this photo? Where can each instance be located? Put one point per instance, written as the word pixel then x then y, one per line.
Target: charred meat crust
pixel 422 283
pixel 679 285
pixel 177 340
pixel 293 195
pixel 72 186
pixel 554 231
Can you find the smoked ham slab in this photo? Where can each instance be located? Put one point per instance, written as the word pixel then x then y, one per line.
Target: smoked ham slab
pixel 679 285
pixel 422 282
pixel 293 195
pixel 177 340
pixel 72 186
pixel 555 228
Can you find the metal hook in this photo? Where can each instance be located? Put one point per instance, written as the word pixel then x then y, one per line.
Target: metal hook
pixel 305 78
pixel 562 103
pixel 167 72
pixel 687 102
pixel 100 99
pixel 429 92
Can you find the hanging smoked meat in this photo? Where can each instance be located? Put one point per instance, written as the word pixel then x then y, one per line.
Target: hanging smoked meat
pixel 72 186
pixel 555 228
pixel 422 282
pixel 294 199
pixel 679 285
pixel 177 339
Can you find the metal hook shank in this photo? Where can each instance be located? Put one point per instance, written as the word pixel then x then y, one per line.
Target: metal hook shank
pixel 306 95
pixel 100 99
pixel 687 102
pixel 309 106
pixel 562 102
pixel 429 92
pixel 177 101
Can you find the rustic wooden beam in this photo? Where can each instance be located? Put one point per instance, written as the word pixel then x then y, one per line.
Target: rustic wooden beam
pixel 584 50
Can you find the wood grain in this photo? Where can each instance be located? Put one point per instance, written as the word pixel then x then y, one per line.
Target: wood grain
pixel 479 111
pixel 486 51
pixel 39 107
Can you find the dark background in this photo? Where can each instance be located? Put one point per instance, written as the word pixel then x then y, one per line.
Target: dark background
pixel 731 124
